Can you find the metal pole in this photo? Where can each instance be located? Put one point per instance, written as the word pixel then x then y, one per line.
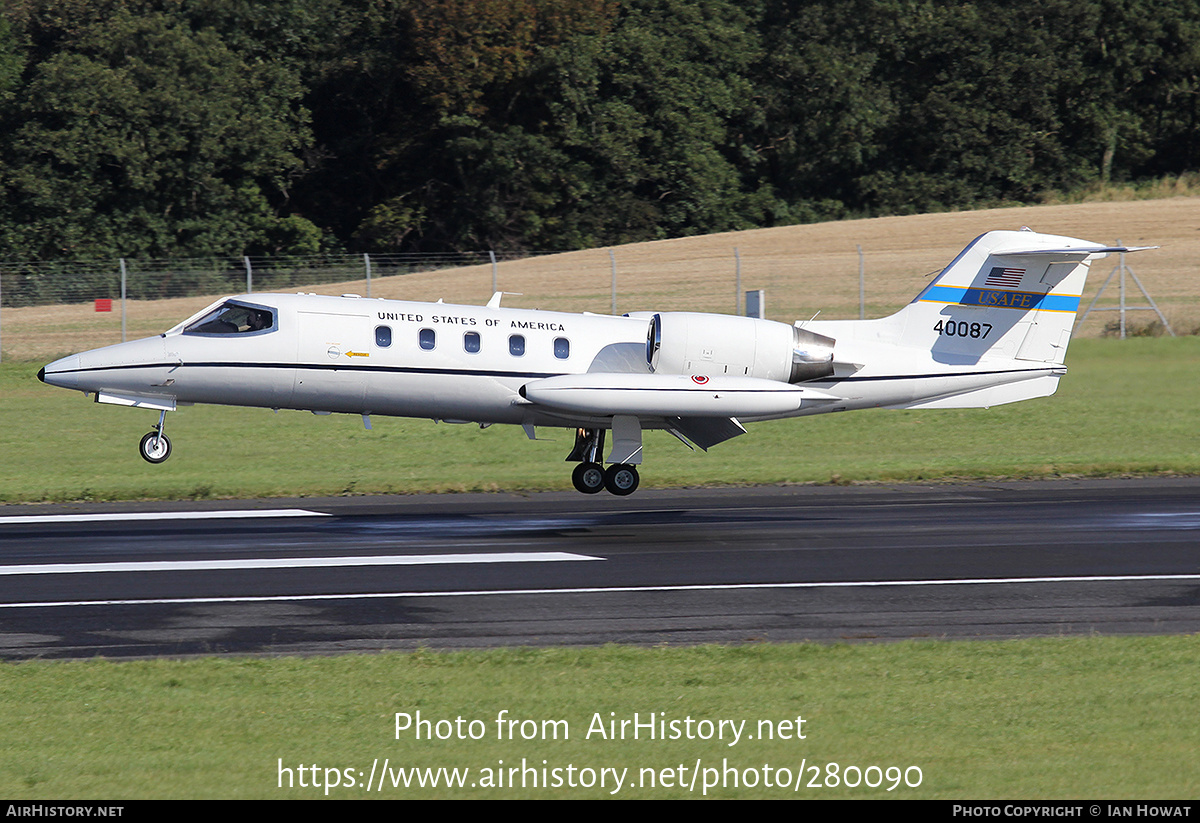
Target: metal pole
pixel 1122 287
pixel 367 263
pixel 1150 300
pixel 737 286
pixel 249 275
pixel 122 299
pixel 862 288
pixel 1122 306
pixel 492 255
pixel 613 259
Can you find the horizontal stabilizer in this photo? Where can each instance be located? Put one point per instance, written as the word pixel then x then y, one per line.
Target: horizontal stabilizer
pixel 1081 250
pixel 1084 251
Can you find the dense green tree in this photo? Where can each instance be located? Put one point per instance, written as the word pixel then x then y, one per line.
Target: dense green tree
pixel 1143 68
pixel 12 61
pixel 909 105
pixel 538 128
pixel 423 119
pixel 979 105
pixel 164 127
pixel 657 111
pixel 141 136
pixel 828 105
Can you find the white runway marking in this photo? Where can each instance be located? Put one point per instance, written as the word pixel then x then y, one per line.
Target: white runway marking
pixel 291 562
pixel 609 589
pixel 119 516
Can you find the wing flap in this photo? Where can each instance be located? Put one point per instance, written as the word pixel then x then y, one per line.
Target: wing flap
pixel 705 432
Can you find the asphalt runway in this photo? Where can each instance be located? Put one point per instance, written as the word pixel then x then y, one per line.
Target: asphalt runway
pixel 319 576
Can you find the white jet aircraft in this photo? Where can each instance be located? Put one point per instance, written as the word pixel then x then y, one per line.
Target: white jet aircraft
pixel 992 328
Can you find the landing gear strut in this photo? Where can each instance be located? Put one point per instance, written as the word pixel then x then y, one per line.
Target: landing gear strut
pixel 155 447
pixel 590 476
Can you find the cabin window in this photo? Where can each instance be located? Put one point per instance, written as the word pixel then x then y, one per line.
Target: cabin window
pixel 427 338
pixel 232 318
pixel 562 348
pixel 383 336
pixel 471 342
pixel 516 345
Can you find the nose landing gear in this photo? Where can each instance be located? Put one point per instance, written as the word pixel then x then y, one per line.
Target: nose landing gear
pixel 155 447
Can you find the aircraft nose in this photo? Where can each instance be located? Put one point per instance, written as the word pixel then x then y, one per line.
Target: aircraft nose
pixel 61 372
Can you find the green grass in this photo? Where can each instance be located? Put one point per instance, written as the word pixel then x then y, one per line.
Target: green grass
pixel 1126 407
pixel 1051 718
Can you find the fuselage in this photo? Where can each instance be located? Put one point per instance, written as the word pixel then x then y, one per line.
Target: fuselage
pixel 362 356
pixel 470 363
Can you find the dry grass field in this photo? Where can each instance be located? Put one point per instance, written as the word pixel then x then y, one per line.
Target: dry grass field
pixel 804 269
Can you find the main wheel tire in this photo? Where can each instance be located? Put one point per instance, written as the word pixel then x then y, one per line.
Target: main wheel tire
pixel 588 477
pixel 621 479
pixel 155 447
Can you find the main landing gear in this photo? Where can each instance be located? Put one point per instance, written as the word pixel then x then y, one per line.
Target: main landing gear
pixel 619 478
pixel 155 447
pixel 590 476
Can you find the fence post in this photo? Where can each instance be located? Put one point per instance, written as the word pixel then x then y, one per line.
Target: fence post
pixel 122 299
pixel 862 287
pixel 613 259
pixel 1122 285
pixel 367 264
pixel 492 255
pixel 249 275
pixel 737 288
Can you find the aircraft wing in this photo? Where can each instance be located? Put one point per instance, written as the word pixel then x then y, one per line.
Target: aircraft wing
pixel 705 432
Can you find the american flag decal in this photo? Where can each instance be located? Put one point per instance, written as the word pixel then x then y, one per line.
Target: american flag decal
pixel 1010 278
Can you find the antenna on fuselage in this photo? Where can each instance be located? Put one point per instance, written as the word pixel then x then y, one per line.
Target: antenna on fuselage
pixel 494 303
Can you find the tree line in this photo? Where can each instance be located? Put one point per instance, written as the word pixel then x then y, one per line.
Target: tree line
pixel 160 128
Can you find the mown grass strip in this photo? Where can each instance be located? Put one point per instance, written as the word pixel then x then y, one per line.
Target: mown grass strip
pixel 1050 718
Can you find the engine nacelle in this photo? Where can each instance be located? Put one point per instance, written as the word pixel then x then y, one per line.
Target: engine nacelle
pixel 693 343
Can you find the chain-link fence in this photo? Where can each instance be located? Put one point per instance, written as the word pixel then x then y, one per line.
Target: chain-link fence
pixel 39 283
pixel 49 306
pixel 49 309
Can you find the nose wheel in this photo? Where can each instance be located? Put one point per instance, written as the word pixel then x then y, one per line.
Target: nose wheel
pixel 155 447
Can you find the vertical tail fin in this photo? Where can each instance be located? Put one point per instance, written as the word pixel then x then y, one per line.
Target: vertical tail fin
pixel 1009 295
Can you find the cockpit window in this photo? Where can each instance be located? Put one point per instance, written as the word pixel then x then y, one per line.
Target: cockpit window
pixel 234 318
